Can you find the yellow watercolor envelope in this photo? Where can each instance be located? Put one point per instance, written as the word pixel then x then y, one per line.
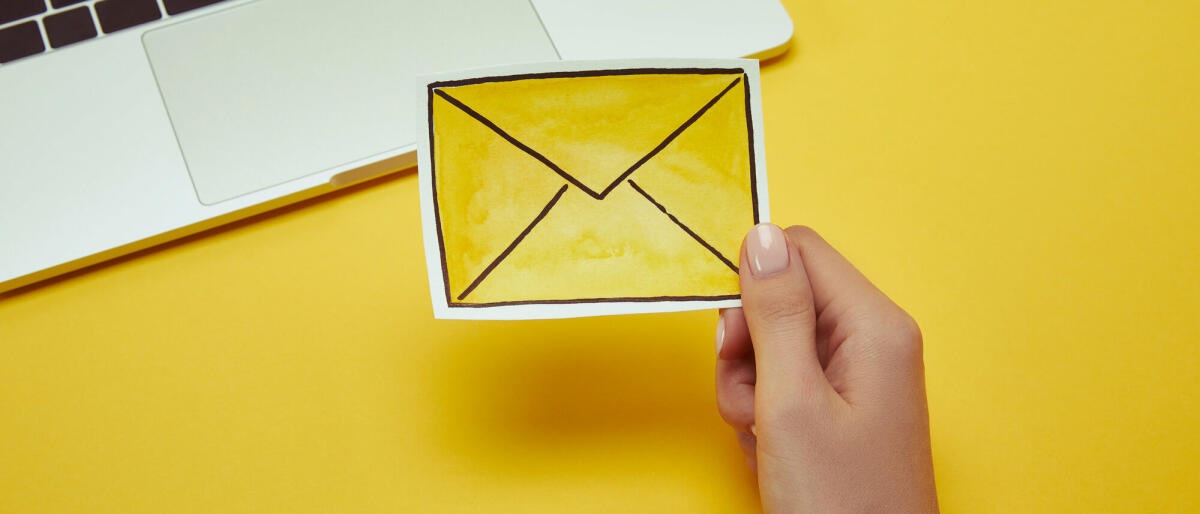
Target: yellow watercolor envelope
pixel 575 189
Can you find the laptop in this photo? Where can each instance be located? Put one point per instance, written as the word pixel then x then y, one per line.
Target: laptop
pixel 127 123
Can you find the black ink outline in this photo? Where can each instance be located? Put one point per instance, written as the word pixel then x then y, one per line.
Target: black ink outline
pixel 432 88
pixel 529 228
pixel 437 215
pixel 614 299
pixel 521 146
pixel 750 137
pixel 563 173
pixel 588 73
pixel 669 138
pixel 685 228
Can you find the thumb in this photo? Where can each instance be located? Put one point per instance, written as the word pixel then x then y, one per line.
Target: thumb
pixel 777 301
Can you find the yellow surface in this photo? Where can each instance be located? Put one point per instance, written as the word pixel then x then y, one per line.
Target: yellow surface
pixel 1022 176
pixel 584 248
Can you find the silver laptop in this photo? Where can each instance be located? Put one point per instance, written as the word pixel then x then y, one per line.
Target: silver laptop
pixel 126 123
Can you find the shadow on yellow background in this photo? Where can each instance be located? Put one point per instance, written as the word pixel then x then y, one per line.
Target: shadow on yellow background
pixel 569 385
pixel 212 232
pixel 585 400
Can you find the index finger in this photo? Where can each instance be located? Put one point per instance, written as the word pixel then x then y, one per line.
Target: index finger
pixel 836 283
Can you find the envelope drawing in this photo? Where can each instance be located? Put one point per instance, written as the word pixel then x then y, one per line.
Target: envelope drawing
pixel 565 192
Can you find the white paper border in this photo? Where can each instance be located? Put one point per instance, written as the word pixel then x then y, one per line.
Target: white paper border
pixel 433 256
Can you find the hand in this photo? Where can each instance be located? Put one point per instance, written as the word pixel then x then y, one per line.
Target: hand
pixel 821 376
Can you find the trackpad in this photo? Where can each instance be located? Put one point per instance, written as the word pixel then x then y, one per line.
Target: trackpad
pixel 274 90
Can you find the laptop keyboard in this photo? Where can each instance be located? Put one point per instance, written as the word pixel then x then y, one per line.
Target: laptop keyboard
pixel 31 27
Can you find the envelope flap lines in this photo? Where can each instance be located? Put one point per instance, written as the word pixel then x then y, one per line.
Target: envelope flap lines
pixel 545 117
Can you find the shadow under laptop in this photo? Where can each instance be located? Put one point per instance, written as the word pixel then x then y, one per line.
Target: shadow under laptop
pixel 410 173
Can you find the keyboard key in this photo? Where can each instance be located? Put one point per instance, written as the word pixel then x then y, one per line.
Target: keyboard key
pixel 121 14
pixel 20 40
pixel 178 6
pixel 69 27
pixel 16 9
pixel 63 3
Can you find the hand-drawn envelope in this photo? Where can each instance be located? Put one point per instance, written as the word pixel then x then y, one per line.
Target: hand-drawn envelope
pixel 591 191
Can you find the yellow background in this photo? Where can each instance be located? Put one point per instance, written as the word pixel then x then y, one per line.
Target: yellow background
pixel 1022 176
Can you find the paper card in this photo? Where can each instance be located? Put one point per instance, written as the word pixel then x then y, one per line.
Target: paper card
pixel 588 188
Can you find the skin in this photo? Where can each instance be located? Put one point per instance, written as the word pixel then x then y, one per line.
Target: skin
pixel 821 377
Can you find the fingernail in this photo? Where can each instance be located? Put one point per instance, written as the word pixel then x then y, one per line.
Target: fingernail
pixel 767 250
pixel 720 333
pixel 754 430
